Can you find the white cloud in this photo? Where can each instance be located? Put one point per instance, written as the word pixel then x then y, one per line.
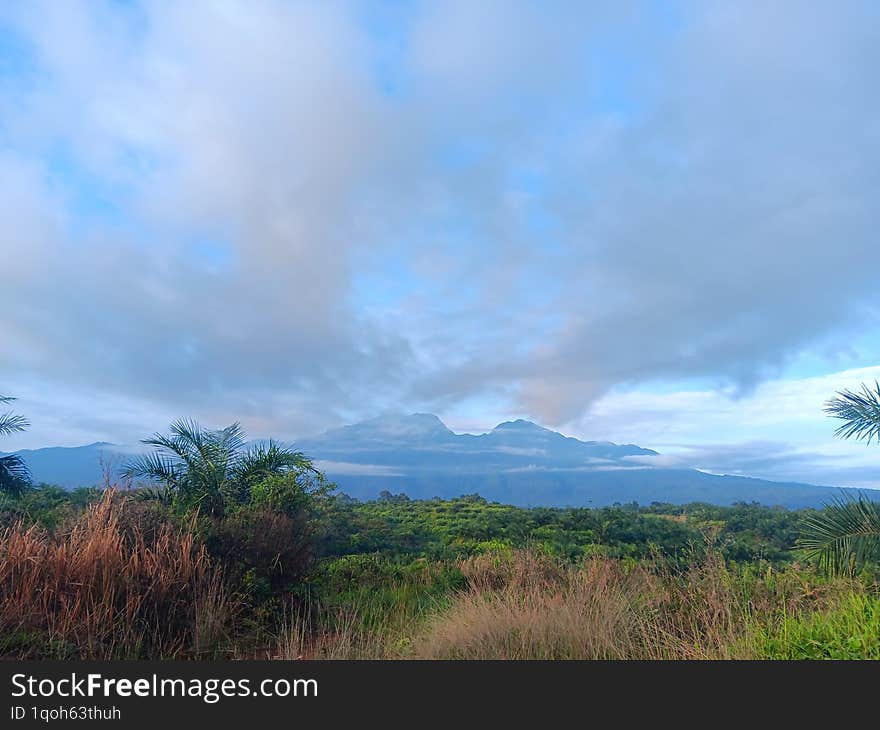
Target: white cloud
pixel 344 468
pixel 218 209
pixel 778 431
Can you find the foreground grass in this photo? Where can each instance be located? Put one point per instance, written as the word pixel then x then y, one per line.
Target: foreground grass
pixel 106 590
pixel 603 609
pixel 850 630
pixel 110 586
pixel 527 605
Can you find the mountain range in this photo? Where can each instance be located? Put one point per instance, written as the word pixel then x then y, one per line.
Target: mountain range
pixel 517 462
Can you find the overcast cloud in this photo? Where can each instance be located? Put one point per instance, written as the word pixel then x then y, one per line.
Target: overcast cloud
pixel 299 214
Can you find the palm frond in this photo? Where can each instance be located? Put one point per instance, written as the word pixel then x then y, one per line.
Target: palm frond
pixel 189 431
pixel 163 495
pixel 154 467
pixel 197 463
pixel 11 423
pixel 205 451
pixel 169 444
pixel 271 458
pixel 14 474
pixel 222 450
pixel 188 445
pixel 261 461
pixel 844 536
pixel 859 410
pixel 231 438
pixel 185 441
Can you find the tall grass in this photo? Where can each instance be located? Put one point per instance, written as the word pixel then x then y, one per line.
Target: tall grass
pixel 523 606
pixel 541 612
pixel 121 581
pixel 367 607
pixel 849 630
pixel 344 636
pixel 104 589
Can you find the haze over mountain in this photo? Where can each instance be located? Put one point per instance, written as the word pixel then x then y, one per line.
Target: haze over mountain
pixel 517 462
pixel 421 443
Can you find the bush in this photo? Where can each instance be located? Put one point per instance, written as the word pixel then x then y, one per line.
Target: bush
pixel 293 493
pixel 47 505
pixel 268 544
pixel 264 552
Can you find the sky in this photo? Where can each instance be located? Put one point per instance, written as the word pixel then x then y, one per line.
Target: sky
pixel 649 222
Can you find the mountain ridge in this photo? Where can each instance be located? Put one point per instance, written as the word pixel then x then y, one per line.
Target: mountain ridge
pixel 517 462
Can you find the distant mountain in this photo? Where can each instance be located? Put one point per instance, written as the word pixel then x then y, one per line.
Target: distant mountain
pixel 76 466
pixel 517 462
pixel 520 462
pixel 421 443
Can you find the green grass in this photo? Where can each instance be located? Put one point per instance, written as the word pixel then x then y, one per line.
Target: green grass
pixel 851 630
pixel 378 593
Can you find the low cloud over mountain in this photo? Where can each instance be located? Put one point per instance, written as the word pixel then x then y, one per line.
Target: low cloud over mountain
pixel 517 462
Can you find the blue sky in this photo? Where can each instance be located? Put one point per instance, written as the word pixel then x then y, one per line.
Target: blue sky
pixel 642 221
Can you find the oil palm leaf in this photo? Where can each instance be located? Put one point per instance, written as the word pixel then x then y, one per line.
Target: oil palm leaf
pixel 859 410
pixel 844 536
pixel 14 473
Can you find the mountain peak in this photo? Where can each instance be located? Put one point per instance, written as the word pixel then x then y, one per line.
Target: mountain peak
pixel 404 424
pixel 425 419
pixel 520 424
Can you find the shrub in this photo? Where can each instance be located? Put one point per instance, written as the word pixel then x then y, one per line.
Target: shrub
pixel 268 544
pixel 266 553
pixel 291 493
pixel 46 505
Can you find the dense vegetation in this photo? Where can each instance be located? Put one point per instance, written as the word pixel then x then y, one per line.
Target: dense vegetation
pixel 298 572
pixel 399 528
pixel 248 552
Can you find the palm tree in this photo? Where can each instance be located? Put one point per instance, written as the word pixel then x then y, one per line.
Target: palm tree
pixel 14 474
pixel 204 469
pixel 846 535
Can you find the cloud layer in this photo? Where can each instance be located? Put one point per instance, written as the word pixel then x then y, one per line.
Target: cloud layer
pixel 297 214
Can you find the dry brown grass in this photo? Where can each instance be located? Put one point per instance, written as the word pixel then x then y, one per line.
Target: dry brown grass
pixel 103 589
pixel 512 570
pixel 527 606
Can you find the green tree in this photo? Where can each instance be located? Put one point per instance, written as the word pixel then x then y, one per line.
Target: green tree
pixel 210 470
pixel 846 534
pixel 14 474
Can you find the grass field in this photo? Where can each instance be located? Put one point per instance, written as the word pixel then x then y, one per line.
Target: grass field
pixel 118 577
